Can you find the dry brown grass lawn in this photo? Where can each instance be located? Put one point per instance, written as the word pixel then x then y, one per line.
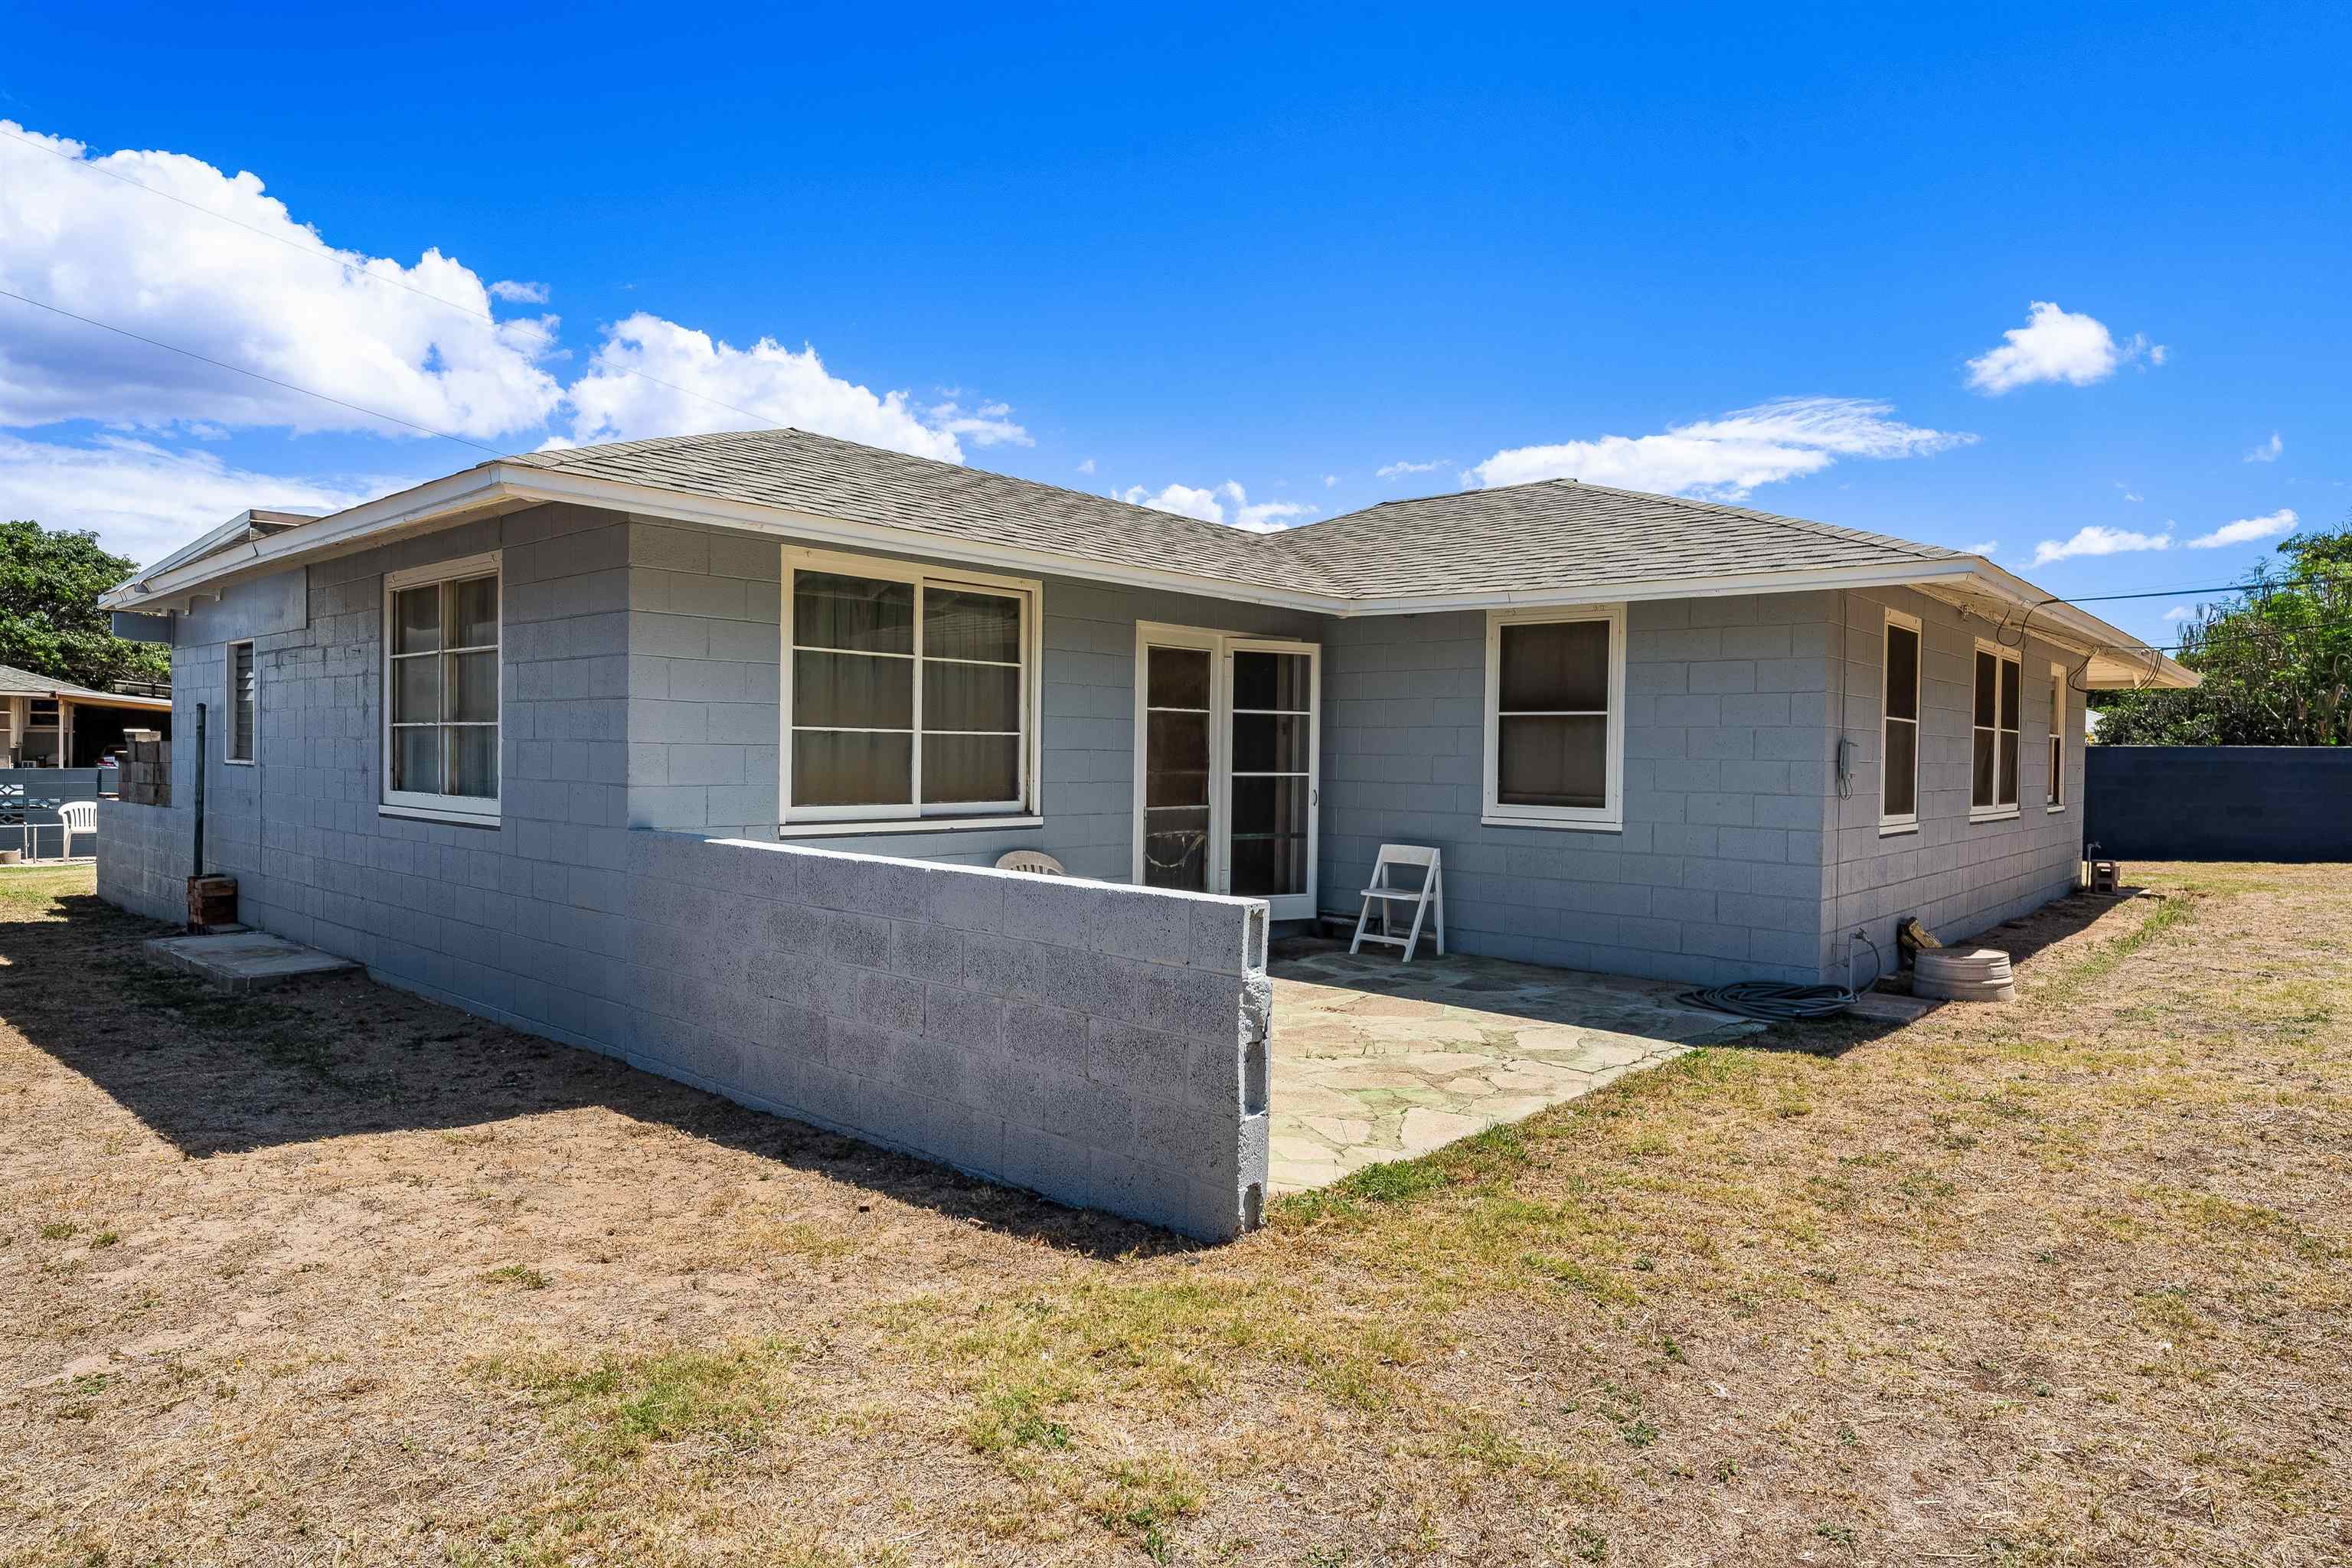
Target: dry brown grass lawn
pixel 339 1275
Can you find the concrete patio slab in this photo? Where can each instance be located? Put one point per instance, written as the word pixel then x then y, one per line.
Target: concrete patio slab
pixel 1377 1060
pixel 245 961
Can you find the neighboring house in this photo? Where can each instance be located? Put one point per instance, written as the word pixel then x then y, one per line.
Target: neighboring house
pixel 1655 736
pixel 46 722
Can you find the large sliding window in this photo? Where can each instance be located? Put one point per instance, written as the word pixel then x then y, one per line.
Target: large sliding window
pixel 1556 717
pixel 1898 751
pixel 910 694
pixel 1999 682
pixel 441 690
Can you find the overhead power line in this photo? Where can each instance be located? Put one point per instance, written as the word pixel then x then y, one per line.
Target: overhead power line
pixel 323 253
pixel 240 370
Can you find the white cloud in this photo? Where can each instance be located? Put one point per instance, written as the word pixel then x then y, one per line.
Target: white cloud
pixel 144 499
pixel 2096 540
pixel 1088 467
pixel 2128 493
pixel 2246 530
pixel 1725 458
pixel 1210 506
pixel 990 424
pixel 2268 452
pixel 1983 547
pixel 1396 469
pixel 2056 345
pixel 773 385
pixel 1330 480
pixel 2181 613
pixel 95 245
pixel 519 293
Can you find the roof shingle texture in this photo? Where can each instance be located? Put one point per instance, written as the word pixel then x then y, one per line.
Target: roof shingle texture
pixel 1551 534
pixel 14 682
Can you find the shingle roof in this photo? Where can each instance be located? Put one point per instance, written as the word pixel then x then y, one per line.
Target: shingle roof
pixel 14 682
pixel 1560 533
pixel 890 490
pixel 1550 534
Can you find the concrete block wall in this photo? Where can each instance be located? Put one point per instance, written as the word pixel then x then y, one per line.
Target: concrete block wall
pixel 705 723
pixel 1957 876
pixel 143 858
pixel 1106 1045
pixel 509 920
pixel 1719 872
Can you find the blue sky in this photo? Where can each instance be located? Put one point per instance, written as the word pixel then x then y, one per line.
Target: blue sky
pixel 1236 263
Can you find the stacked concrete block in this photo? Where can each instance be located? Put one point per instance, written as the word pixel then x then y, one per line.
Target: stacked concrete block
pixel 143 858
pixel 145 774
pixel 1104 1044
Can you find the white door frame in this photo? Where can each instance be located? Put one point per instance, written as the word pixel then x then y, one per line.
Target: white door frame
pixel 1221 647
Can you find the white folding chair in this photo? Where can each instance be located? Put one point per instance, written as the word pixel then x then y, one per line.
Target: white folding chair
pixel 1032 861
pixel 1428 898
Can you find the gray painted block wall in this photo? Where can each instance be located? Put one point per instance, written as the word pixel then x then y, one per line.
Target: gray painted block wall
pixel 1719 872
pixel 704 720
pixel 536 921
pixel 1957 876
pixel 1104 1044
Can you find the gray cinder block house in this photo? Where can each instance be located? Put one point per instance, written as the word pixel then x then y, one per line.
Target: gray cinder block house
pixel 702 751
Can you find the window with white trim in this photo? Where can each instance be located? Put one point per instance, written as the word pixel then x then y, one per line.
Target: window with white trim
pixel 908 693
pixel 1992 763
pixel 241 703
pixel 441 689
pixel 1899 747
pixel 2057 791
pixel 1556 717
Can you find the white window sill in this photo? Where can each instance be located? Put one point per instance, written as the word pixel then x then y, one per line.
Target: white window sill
pixel 904 824
pixel 1891 829
pixel 426 813
pixel 1567 824
pixel 2005 814
pixel 237 761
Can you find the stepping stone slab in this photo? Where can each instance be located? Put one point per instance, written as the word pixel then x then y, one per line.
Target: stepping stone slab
pixel 245 961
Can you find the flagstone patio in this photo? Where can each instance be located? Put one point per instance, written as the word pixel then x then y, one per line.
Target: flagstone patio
pixel 1377 1060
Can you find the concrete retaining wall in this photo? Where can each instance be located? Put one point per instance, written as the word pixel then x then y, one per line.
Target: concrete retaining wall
pixel 2220 803
pixel 1104 1044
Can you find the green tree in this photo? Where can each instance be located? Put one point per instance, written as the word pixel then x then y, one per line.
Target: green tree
pixel 2277 659
pixel 49 620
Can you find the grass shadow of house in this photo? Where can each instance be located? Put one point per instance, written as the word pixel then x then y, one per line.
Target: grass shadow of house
pixel 341 1057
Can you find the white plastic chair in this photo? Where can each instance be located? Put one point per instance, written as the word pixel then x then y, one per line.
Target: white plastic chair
pixel 1427 898
pixel 75 817
pixel 1032 861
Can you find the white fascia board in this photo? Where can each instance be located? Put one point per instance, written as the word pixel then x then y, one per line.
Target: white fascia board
pixel 436 502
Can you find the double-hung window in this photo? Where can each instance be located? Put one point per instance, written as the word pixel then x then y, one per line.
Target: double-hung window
pixel 2057 801
pixel 1898 747
pixel 1555 730
pixel 241 703
pixel 909 694
pixel 441 690
pixel 1992 789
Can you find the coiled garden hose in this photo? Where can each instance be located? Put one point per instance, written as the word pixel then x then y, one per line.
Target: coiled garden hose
pixel 1779 1002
